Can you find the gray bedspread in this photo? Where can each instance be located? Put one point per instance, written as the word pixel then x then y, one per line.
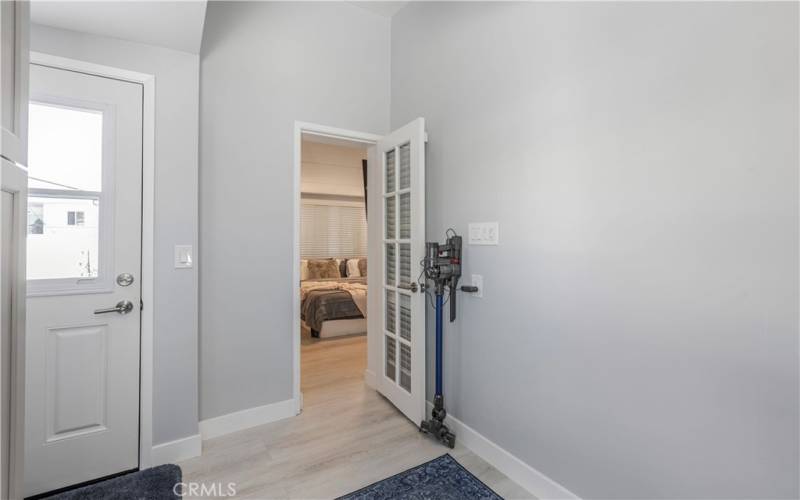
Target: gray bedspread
pixel 326 305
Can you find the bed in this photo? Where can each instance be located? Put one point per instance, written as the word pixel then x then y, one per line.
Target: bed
pixel 333 307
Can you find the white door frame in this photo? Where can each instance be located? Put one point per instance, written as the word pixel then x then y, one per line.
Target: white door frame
pixel 148 83
pixel 323 131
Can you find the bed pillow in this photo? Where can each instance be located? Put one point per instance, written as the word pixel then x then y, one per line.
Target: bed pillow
pixel 352 268
pixel 362 267
pixel 319 269
pixel 342 263
pixel 303 269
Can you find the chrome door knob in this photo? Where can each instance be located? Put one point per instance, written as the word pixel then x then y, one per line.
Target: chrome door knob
pixel 125 279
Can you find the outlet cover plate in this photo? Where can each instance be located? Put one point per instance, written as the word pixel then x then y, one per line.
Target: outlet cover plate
pixel 477 280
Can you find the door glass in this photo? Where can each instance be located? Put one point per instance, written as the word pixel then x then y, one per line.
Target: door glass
pixel 397 218
pixel 405 166
pixel 65 185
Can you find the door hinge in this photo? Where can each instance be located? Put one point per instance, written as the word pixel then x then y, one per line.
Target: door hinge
pixel 141 304
pixel 426 137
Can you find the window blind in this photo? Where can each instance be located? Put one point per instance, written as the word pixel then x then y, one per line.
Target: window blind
pixel 332 230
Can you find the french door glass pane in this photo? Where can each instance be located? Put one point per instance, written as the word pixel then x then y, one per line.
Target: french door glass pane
pixel 391 278
pixel 391 220
pixel 405 166
pixel 405 263
pixel 405 216
pixel 390 171
pixel 405 317
pixel 405 367
pixel 390 311
pixel 390 353
pixel 63 238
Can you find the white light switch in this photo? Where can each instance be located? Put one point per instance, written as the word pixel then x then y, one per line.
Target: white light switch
pixel 183 256
pixel 484 233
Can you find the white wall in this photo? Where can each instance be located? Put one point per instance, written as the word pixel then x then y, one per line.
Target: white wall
pixel 638 334
pixel 263 66
pixel 176 122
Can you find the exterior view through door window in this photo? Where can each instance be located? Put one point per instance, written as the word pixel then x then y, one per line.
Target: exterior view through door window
pixel 65 185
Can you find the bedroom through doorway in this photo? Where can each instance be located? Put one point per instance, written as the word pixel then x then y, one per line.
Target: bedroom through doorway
pixel 333 265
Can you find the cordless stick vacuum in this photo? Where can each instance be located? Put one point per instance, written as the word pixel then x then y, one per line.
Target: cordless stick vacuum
pixel 442 267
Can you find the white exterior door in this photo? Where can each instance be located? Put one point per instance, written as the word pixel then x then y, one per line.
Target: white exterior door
pixel 84 278
pixel 401 156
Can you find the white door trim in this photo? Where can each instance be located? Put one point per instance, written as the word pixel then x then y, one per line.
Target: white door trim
pixel 329 132
pixel 148 83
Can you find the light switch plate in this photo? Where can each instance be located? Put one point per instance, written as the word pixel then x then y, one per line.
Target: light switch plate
pixel 183 257
pixel 484 233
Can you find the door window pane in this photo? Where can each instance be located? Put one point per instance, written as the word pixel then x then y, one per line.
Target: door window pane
pixel 390 171
pixel 405 216
pixel 390 355
pixel 391 218
pixel 35 218
pixel 390 312
pixel 405 166
pixel 65 148
pixel 63 238
pixel 65 166
pixel 405 367
pixel 391 270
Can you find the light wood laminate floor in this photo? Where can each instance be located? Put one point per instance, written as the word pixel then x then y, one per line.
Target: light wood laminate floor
pixel 348 436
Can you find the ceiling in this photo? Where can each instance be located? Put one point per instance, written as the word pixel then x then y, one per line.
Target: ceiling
pixel 173 24
pixel 385 9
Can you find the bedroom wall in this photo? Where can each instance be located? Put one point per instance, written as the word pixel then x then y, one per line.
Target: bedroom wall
pixel 638 334
pixel 332 170
pixel 176 122
pixel 333 220
pixel 264 65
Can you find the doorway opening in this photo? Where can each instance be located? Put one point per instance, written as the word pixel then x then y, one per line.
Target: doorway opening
pixel 331 260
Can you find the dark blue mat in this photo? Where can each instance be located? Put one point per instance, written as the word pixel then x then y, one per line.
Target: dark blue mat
pixel 149 484
pixel 440 479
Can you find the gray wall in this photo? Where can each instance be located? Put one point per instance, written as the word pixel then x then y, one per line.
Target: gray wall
pixel 263 66
pixel 176 121
pixel 638 336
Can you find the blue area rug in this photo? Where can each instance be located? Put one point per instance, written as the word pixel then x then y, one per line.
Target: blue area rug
pixel 149 484
pixel 440 479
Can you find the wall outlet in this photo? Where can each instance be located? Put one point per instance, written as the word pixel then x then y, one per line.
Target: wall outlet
pixel 477 280
pixel 484 233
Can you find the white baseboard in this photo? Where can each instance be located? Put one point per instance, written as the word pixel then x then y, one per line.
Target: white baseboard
pixel 370 380
pixel 175 451
pixel 541 486
pixel 240 420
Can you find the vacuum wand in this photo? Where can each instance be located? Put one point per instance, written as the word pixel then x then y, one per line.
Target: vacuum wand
pixel 442 268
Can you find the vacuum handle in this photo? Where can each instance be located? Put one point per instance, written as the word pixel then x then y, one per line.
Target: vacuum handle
pixel 452 304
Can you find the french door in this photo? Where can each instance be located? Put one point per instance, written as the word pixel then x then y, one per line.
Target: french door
pixel 84 278
pixel 402 161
